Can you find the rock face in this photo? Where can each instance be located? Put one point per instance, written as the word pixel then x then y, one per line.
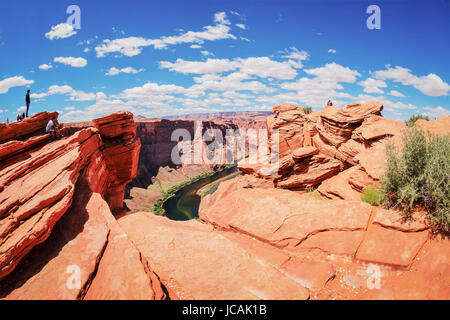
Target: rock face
pixel 336 248
pixel 55 225
pixel 121 153
pixel 318 146
pixel 158 145
pixel 260 236
pixel 22 129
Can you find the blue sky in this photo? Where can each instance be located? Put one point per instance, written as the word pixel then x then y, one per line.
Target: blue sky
pixel 158 58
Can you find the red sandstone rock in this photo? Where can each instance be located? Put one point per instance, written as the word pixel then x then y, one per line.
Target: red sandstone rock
pixel 377 127
pixel 318 169
pixel 123 274
pixel 223 269
pixel 391 247
pixel 304 152
pixel 338 187
pixel 282 217
pixel 440 126
pixel 20 129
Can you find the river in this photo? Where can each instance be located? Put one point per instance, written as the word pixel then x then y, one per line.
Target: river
pixel 186 201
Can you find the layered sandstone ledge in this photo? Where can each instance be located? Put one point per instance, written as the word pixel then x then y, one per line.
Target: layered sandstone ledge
pixel 57 203
pixel 256 239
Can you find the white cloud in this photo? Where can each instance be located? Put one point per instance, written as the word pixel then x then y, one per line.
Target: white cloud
pixel 436 112
pixel 45 66
pixel 16 81
pixel 74 62
pixel 206 53
pixel 132 46
pixel 296 57
pixel 199 67
pixel 195 46
pixel 431 85
pixel 221 18
pixel 240 25
pixel 331 51
pixel 129 70
pixel 264 67
pixel 334 72
pixel 373 86
pixel 395 93
pixel 21 109
pixel 86 49
pixel 316 91
pixel 60 31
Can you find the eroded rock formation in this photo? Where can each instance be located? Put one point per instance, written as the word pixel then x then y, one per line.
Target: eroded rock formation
pixel 56 213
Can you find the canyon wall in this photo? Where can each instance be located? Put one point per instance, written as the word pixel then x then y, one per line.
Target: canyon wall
pixel 57 202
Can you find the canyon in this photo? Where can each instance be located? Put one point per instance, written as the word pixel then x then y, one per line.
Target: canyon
pixel 75 220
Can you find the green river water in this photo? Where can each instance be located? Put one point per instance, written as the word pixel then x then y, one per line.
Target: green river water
pixel 184 205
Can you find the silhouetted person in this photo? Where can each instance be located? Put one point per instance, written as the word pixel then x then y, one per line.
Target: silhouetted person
pixel 27 100
pixel 329 103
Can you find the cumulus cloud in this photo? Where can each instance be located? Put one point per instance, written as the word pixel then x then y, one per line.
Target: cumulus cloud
pixel 331 51
pixel 436 112
pixel 316 91
pixel 221 18
pixel 334 72
pixel 200 67
pixel 296 57
pixel 129 70
pixel 16 81
pixel 71 61
pixel 206 53
pixel 240 25
pixel 74 95
pixel 132 46
pixel 263 67
pixel 395 93
pixel 60 31
pixel 373 86
pixel 431 85
pixel 45 66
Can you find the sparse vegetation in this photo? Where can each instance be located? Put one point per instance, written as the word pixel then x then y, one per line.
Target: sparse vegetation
pixel 307 110
pixel 419 175
pixel 314 193
pixel 412 120
pixel 372 195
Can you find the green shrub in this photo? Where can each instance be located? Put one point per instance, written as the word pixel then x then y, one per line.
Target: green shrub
pixel 412 120
pixel 372 195
pixel 419 175
pixel 314 193
pixel 307 110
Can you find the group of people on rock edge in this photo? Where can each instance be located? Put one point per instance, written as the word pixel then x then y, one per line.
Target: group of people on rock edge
pixel 53 126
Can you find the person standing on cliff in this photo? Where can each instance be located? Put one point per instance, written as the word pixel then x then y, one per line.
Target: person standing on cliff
pixel 27 100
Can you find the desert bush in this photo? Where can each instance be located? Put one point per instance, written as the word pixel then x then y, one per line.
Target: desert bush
pixel 314 193
pixel 307 110
pixel 412 120
pixel 372 195
pixel 419 174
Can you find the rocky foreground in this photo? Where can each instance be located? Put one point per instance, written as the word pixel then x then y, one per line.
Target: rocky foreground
pixel 260 236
